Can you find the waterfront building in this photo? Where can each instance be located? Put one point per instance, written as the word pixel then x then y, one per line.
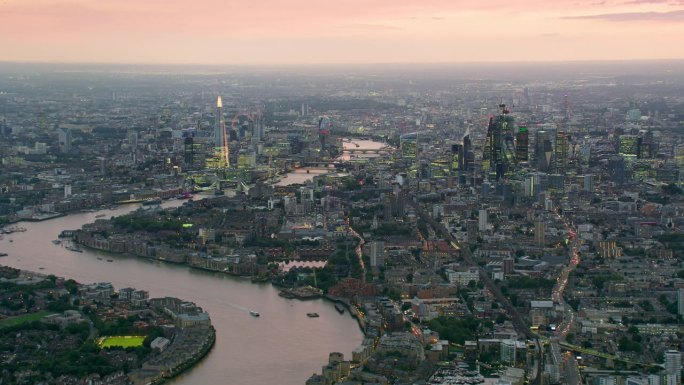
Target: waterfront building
pixel 221 139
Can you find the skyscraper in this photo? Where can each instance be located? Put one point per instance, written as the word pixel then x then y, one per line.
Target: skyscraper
pixel 561 152
pixel 543 150
pixel 221 150
pixel 522 144
pixel 673 366
pixel 498 157
pixel 539 232
pixel 64 139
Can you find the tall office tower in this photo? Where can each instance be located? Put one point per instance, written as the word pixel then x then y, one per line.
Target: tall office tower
pixel 408 143
pixel 221 157
pixel 324 127
pixel 680 301
pixel 468 158
pixel 539 232
pixel 64 139
pixel 456 164
pixel 543 150
pixel 499 157
pixel 488 150
pixel 522 143
pixel 588 185
pixel 673 367
pixel 482 220
pixel 616 169
pixel 377 253
pixel 648 148
pixel 561 152
pixel 258 128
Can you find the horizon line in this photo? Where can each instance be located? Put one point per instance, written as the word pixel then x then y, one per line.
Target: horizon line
pixel 328 64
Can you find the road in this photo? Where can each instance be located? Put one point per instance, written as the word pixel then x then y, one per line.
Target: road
pixel 519 322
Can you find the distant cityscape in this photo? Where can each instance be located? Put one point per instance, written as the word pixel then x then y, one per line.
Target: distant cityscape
pixel 501 225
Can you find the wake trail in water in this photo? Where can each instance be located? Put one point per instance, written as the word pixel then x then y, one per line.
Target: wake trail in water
pixel 234 305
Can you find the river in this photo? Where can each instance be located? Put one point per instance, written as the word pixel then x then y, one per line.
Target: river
pixel 305 174
pixel 283 346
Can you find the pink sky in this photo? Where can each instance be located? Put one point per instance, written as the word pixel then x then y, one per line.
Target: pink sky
pixel 338 31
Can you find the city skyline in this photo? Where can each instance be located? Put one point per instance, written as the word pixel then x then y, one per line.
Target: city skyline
pixel 352 31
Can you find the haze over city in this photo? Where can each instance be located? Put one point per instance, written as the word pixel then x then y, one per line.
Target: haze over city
pixel 349 31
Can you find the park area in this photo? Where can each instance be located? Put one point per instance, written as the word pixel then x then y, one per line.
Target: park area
pixel 121 341
pixel 18 320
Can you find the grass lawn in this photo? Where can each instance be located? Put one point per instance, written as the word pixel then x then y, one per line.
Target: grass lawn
pixel 12 321
pixel 122 341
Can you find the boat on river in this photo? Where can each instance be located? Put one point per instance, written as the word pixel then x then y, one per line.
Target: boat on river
pixel 254 313
pixel 312 315
pixel 74 248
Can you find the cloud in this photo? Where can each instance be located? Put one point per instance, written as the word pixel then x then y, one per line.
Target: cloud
pixel 672 16
pixel 667 2
pixel 550 35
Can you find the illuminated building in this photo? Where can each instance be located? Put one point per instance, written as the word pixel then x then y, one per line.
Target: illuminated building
pixel 324 127
pixel 221 156
pixel 457 160
pixel 628 146
pixel 561 152
pixel 498 157
pixel 522 144
pixel 543 150
pixel 408 144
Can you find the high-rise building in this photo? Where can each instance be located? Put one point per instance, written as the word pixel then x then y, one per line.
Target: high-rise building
pixel 408 144
pixel 561 152
pixel 588 183
pixel 258 128
pixel 539 232
pixel 673 366
pixel 522 144
pixel 377 253
pixel 324 127
pixel 616 169
pixel 482 220
pixel 221 149
pixel 629 146
pixel 508 353
pixel 680 301
pixel 499 157
pixel 457 162
pixel 64 139
pixel 543 150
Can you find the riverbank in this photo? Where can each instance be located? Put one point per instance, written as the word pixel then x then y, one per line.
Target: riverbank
pixel 185 338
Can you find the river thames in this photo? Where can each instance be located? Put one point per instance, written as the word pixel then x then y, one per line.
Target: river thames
pixel 283 346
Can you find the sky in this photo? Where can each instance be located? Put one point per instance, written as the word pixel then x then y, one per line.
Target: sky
pixel 273 32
